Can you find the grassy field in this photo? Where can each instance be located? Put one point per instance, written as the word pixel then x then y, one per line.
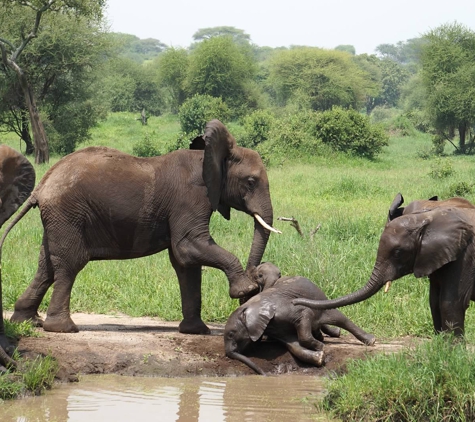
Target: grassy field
pixel 348 198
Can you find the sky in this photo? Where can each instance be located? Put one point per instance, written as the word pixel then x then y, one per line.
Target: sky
pixel 274 23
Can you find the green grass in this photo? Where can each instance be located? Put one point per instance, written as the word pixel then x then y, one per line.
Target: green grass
pixel 433 382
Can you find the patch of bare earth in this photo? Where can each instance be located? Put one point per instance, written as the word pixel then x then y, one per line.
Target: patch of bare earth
pixel 151 347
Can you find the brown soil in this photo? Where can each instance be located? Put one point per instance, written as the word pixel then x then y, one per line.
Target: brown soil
pixel 151 347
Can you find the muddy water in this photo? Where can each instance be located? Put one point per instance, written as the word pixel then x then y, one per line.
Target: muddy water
pixel 118 398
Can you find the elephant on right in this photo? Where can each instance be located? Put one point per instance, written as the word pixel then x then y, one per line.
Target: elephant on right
pixel 440 244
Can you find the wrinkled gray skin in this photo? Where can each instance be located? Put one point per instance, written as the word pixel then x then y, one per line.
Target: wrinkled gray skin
pixel 395 210
pixel 100 204
pixel 439 244
pixel 271 313
pixel 17 180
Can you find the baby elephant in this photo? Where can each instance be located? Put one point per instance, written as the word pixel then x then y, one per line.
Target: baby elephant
pixel 271 313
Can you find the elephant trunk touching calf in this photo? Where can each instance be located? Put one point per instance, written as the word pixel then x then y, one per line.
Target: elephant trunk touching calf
pixel 100 204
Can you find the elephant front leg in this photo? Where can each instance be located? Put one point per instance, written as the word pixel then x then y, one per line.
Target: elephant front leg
pixel 312 357
pixel 304 331
pixel 189 279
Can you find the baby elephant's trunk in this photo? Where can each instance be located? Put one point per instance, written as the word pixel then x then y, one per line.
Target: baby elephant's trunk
pixel 246 360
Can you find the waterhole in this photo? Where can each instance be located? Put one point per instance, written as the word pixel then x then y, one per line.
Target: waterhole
pixel 118 398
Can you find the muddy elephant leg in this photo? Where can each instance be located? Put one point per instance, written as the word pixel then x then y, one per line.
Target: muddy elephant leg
pixel 335 317
pixel 331 331
pixel 434 303
pixel 26 306
pixel 305 355
pixel 189 279
pixel 304 331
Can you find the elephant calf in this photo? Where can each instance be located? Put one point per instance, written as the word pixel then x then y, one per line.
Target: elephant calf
pixel 271 313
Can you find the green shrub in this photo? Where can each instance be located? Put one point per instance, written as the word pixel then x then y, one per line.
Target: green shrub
pixel 145 147
pixel 350 131
pixel 199 110
pixel 403 126
pixel 460 189
pixel 441 169
pixel 257 126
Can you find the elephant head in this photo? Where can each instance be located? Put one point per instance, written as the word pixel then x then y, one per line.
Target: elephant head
pixel 265 275
pixel 236 178
pixel 418 243
pixel 245 326
pixel 17 180
pixel 395 210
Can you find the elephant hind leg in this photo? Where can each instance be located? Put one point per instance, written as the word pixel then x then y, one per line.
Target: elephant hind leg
pixel 189 279
pixel 26 306
pixel 335 317
pixel 304 331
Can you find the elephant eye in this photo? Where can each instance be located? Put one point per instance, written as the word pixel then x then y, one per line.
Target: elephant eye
pixel 251 182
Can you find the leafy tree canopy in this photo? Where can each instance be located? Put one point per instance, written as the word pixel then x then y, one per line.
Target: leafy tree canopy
pixel 238 35
pixel 346 47
pixel 138 49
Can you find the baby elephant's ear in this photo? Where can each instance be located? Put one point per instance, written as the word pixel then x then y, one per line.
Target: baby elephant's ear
pixel 257 316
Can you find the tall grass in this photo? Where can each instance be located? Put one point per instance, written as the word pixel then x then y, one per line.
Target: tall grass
pixel 433 382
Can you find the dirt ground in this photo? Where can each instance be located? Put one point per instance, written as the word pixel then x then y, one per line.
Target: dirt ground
pixel 151 347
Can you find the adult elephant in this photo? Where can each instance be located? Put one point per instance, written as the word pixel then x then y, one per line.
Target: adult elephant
pixel 17 180
pixel 99 204
pixel 395 210
pixel 438 243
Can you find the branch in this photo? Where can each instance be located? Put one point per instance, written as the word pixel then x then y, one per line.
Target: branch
pixel 315 230
pixel 448 139
pixel 293 222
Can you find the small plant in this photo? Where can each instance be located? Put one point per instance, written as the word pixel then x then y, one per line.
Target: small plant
pixel 145 147
pixel 460 189
pixel 38 374
pixel 441 169
pixel 257 126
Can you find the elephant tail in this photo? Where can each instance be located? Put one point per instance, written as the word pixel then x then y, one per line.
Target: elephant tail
pixel 30 203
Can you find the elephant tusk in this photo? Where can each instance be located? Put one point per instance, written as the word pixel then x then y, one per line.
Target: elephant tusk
pixel 265 225
pixel 388 285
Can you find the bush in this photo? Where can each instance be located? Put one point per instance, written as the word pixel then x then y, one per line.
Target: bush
pixel 257 126
pixel 441 169
pixel 350 131
pixel 199 110
pixel 460 189
pixel 145 147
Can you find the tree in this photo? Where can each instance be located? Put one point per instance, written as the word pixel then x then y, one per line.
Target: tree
pixel 221 68
pixel 136 49
pixel 21 20
pixel 448 74
pixel 318 78
pixel 405 53
pixel 346 47
pixel 172 66
pixel 238 35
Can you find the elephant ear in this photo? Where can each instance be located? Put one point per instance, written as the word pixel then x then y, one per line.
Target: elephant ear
pixel 257 315
pixel 17 180
pixel 394 210
pixel 218 146
pixel 445 235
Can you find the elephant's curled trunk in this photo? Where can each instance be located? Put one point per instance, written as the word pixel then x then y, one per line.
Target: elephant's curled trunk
pixel 245 360
pixel 368 290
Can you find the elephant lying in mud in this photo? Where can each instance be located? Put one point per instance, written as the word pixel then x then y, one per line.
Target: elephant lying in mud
pixel 271 313
pixel 440 244
pixel 101 204
pixel 17 180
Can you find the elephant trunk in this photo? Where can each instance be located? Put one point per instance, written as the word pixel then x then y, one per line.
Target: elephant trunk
pixel 245 360
pixel 260 239
pixel 373 285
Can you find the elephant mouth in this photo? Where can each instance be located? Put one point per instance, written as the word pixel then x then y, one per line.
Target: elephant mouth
pixel 265 225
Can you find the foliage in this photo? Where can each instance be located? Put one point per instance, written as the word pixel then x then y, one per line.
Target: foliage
pixel 145 147
pixel 136 49
pixel 448 74
pixel 199 110
pixel 172 66
pixel 347 48
pixel 432 382
pixel 441 168
pixel 350 131
pixel 406 53
pixel 326 78
pixel 257 126
pixel 38 374
pixel 393 78
pixel 460 189
pixel 221 68
pixel 238 35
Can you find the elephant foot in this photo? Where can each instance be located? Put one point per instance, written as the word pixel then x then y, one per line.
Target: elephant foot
pixel 22 316
pixel 369 340
pixel 193 326
pixel 60 324
pixel 318 358
pixel 6 351
pixel 242 288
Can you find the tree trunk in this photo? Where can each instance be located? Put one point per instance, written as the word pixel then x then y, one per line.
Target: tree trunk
pixel 25 133
pixel 462 135
pixel 39 134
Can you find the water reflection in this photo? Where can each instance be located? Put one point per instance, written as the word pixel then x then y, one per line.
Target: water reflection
pixel 116 398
